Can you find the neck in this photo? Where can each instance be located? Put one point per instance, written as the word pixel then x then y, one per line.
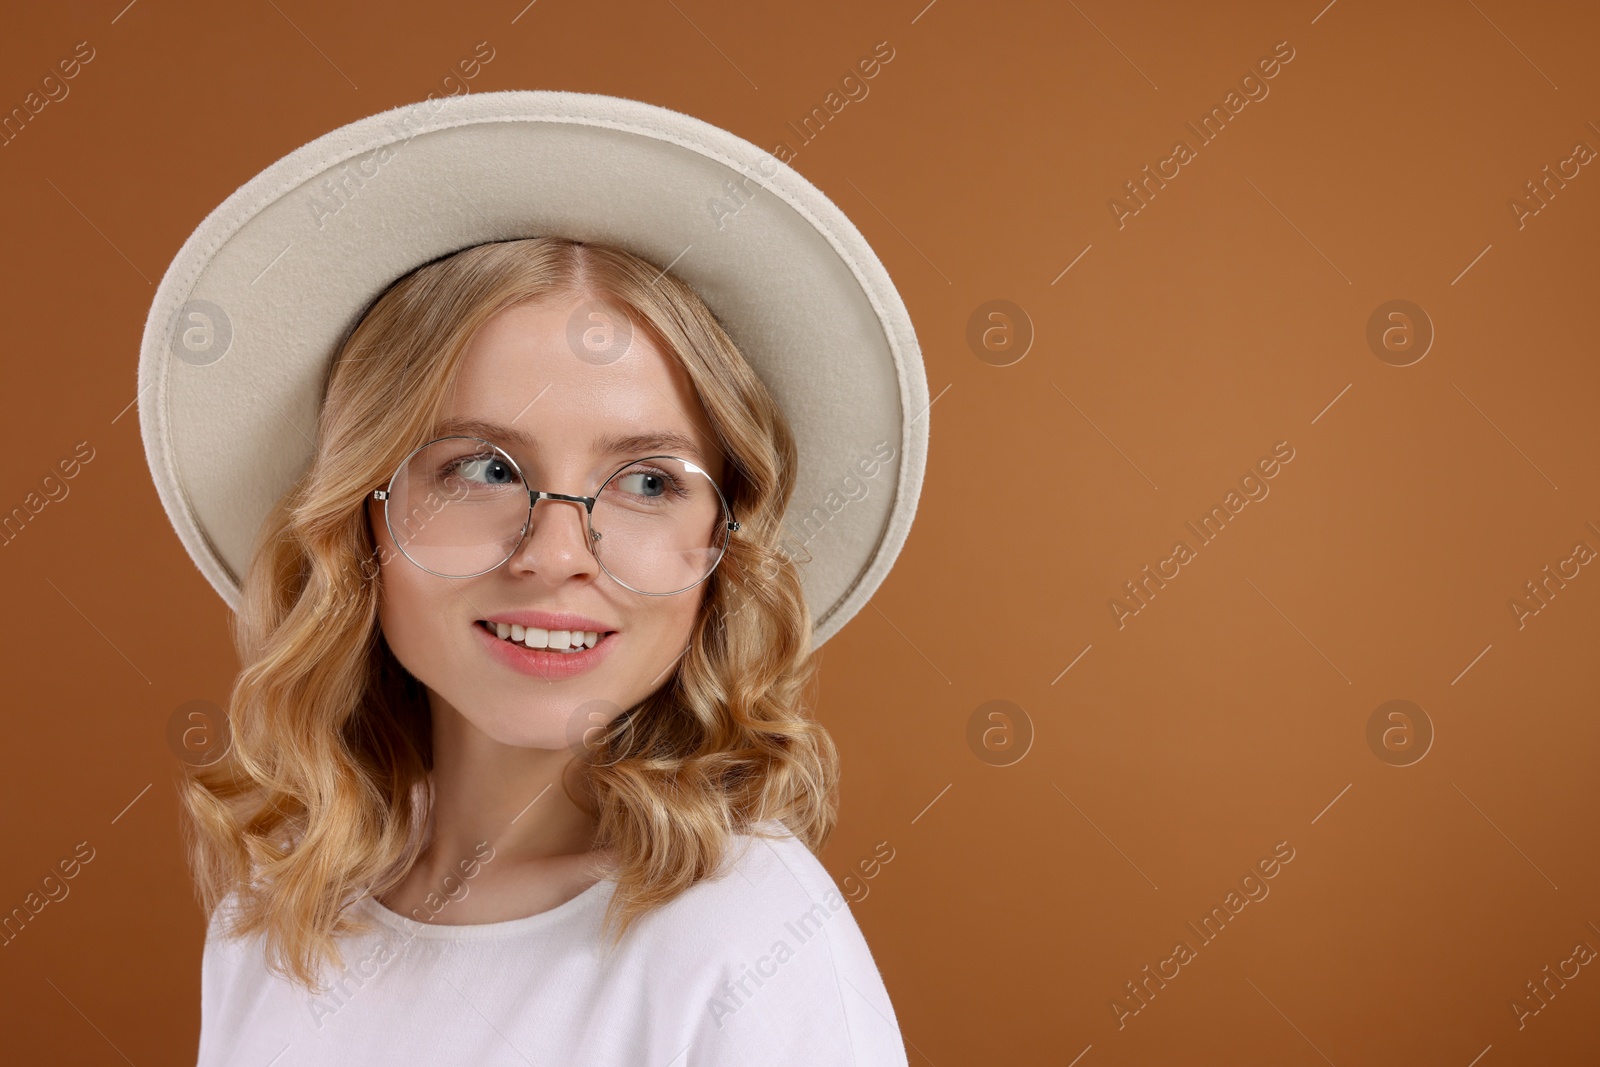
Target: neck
pixel 490 795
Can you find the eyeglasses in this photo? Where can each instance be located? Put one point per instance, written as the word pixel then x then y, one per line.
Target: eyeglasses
pixel 459 507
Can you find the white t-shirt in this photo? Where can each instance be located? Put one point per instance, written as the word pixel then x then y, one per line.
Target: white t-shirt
pixel 762 966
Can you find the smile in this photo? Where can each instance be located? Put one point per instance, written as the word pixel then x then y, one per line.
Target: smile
pixel 566 641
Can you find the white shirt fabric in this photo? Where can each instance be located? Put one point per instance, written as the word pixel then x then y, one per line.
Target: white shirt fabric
pixel 762 965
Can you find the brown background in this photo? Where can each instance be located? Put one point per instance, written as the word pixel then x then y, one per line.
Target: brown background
pixel 1231 313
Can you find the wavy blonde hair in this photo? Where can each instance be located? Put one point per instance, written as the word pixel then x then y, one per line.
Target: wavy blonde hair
pixel 316 800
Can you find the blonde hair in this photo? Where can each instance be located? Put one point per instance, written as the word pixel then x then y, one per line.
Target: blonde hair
pixel 316 801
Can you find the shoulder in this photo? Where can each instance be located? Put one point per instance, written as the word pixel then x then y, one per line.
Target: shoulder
pixel 767 881
pixel 232 977
pixel 768 959
pixel 766 869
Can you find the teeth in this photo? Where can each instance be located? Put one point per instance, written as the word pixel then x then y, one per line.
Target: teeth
pixel 554 640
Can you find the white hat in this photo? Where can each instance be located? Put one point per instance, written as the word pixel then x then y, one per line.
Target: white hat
pixel 247 318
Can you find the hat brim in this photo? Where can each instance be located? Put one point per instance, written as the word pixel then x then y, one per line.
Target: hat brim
pixel 247 317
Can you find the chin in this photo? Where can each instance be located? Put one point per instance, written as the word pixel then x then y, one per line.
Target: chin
pixel 531 725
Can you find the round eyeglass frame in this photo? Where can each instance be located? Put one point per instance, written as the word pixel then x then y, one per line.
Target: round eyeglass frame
pixel 536 495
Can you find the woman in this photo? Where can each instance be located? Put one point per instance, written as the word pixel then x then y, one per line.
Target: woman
pixel 518 767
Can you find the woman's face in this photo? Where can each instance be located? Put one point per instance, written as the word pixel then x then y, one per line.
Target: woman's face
pixel 521 374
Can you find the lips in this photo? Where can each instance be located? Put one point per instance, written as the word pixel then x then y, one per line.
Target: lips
pixel 551 620
pixel 544 663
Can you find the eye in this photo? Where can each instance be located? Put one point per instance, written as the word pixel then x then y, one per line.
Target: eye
pixel 484 469
pixel 649 483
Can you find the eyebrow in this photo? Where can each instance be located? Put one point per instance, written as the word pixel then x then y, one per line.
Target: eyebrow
pixel 632 445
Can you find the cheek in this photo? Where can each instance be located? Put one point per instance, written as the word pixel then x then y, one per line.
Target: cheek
pixel 660 638
pixel 410 617
pixel 678 622
pixel 398 617
pixel 400 602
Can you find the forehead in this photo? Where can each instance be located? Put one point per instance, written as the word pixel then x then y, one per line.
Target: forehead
pixel 523 384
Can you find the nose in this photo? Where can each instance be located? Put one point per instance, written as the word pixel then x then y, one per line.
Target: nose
pixel 557 542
